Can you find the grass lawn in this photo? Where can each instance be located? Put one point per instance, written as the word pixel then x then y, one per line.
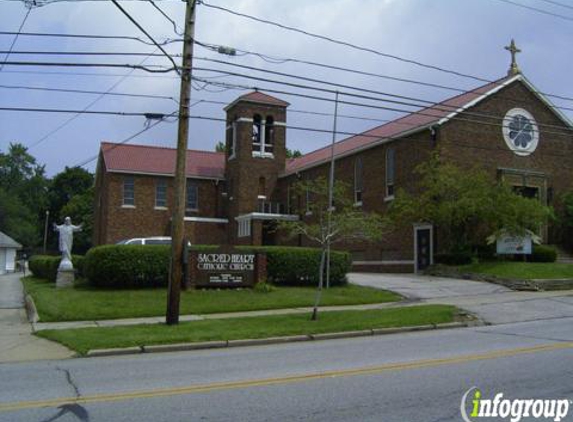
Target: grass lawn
pixel 84 339
pixel 84 303
pixel 520 270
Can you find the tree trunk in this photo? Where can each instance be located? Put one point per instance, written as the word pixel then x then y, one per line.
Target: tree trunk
pixel 314 316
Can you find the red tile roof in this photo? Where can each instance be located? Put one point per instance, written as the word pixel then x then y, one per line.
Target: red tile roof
pixel 410 123
pixel 160 160
pixel 259 97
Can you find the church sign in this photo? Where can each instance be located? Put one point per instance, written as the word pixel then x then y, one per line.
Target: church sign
pixel 226 267
pixel 514 245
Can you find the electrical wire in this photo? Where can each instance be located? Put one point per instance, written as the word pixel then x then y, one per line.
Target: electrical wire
pixel 343 43
pixel 536 9
pixel 418 102
pixel 166 16
pixel 75 111
pixel 175 67
pixel 159 69
pixel 83 91
pixel 428 111
pixel 89 36
pixel 556 3
pixel 86 53
pixel 15 39
pixel 126 140
pixel 372 106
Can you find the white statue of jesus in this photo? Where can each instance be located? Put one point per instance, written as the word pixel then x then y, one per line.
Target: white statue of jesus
pixel 66 231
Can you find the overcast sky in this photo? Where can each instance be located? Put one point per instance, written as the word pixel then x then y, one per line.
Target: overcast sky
pixel 466 36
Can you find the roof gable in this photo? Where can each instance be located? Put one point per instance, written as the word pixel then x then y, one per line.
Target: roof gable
pixel 437 114
pixel 259 98
pixel 7 242
pixel 142 159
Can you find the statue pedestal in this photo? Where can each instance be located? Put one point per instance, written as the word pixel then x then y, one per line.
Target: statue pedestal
pixel 65 276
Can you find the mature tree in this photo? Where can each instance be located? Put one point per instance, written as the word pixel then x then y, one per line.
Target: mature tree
pixel 67 184
pixel 16 220
pixel 70 194
pixel 466 205
pixel 21 175
pixel 331 225
pixel 80 210
pixel 220 147
pixel 23 184
pixel 293 153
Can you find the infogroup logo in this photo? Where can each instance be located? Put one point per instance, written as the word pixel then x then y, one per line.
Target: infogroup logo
pixel 515 409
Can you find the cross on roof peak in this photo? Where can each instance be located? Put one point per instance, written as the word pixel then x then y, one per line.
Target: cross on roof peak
pixel 513 68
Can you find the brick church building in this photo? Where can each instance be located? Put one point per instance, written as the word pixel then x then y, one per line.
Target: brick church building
pixel 507 128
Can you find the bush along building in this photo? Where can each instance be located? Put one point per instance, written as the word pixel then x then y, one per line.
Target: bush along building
pixel 507 128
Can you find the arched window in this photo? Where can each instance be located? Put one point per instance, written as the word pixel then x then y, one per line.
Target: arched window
pixel 257 135
pixel 358 171
pixel 269 138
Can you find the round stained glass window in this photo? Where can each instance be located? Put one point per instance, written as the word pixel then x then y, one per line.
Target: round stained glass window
pixel 520 131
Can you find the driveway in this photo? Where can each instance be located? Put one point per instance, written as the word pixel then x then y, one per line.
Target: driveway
pixel 16 340
pixel 493 303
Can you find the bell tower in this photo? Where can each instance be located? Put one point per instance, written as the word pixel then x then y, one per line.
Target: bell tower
pixel 255 155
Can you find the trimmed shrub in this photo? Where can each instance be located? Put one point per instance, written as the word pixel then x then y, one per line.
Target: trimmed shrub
pixel 46 266
pixel 126 266
pixel 294 266
pixel 454 258
pixel 543 253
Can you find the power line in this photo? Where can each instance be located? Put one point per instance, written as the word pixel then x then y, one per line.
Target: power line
pixel 71 119
pixel 360 48
pixel 159 69
pixel 146 34
pixel 372 106
pixel 89 36
pixel 429 111
pixel 166 16
pixel 425 103
pixel 72 111
pixel 535 9
pixel 344 43
pixel 15 38
pixel 556 3
pixel 83 91
pixel 282 60
pixel 126 140
pixel 86 53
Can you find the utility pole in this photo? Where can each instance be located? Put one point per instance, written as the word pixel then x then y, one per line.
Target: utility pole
pixel 330 191
pixel 177 219
pixel 46 231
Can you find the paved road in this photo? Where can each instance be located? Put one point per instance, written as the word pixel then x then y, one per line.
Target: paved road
pixel 408 377
pixel 491 302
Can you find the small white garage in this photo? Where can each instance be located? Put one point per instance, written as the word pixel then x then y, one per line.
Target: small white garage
pixel 8 248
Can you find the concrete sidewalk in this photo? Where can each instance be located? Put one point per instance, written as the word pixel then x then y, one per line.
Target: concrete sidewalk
pixel 17 343
pixel 38 326
pixel 492 303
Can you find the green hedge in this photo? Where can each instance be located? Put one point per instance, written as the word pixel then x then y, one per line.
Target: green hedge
pixel 46 266
pixel 543 253
pixel 125 266
pixel 294 266
pixel 122 266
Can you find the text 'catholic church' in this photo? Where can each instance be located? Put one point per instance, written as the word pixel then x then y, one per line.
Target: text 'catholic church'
pixel 238 196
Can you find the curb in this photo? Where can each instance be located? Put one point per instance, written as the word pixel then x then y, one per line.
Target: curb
pixel 180 347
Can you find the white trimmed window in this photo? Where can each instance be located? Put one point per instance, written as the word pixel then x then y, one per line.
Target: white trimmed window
pixel 390 172
pixel 358 180
pixel 233 143
pixel 161 193
pixel 192 202
pixel 129 191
